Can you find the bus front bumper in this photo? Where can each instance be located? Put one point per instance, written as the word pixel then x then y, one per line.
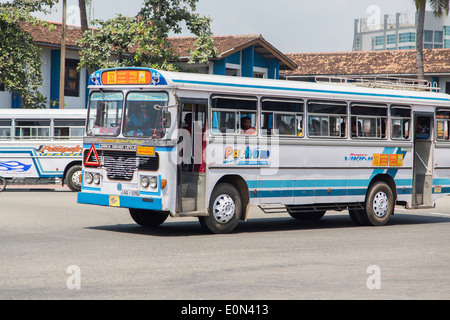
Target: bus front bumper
pixel 120 201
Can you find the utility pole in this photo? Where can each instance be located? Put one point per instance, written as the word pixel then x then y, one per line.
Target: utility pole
pixel 63 57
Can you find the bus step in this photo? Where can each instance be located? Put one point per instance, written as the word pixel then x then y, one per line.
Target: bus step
pixel 273 208
pixel 189 214
pixel 189 204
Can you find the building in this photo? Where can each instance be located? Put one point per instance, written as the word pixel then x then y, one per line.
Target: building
pixel 240 55
pixel 388 63
pixel 398 32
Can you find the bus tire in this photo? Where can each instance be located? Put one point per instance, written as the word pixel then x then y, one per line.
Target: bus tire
pixel 225 209
pixel 2 184
pixel 148 218
pixel 379 204
pixel 73 178
pixel 309 216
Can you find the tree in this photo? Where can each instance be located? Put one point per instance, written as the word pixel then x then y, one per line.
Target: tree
pixel 439 7
pixel 143 40
pixel 20 58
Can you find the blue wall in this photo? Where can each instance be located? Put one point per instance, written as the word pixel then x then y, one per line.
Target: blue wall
pixel 250 59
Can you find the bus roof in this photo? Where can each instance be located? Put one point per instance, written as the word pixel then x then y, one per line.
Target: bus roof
pixel 43 113
pixel 146 77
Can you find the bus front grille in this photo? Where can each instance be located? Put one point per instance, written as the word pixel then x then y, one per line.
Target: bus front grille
pixel 120 165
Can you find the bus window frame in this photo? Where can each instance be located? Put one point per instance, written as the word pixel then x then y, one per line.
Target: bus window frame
pixel 238 112
pixel 88 113
pixel 125 111
pixel 392 118
pixel 10 127
pixel 370 117
pixel 31 137
pixel 316 114
pixel 70 136
pixel 266 132
pixel 447 121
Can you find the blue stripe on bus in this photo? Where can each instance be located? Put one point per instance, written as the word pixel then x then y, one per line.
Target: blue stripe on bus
pixel 240 85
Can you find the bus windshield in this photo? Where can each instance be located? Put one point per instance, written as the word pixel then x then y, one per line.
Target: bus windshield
pixel 105 113
pixel 141 116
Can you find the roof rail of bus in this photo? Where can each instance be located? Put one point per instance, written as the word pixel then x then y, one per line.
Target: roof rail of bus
pixel 383 82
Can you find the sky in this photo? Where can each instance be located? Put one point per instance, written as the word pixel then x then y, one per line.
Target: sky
pixel 291 26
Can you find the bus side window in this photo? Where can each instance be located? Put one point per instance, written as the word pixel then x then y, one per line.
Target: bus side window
pixel 282 117
pixel 400 122
pixel 68 129
pixel 443 124
pixel 369 121
pixel 228 114
pixel 33 129
pixel 5 129
pixel 327 119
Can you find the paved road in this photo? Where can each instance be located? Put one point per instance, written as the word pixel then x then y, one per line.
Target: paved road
pixel 53 248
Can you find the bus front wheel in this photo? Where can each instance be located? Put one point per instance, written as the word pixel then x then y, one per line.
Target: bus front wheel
pixel 148 218
pixel 225 209
pixel 379 204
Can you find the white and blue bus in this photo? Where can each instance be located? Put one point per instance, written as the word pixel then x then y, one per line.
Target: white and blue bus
pixel 166 143
pixel 41 146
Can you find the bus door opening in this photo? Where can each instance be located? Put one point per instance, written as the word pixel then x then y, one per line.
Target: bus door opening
pixel 191 168
pixel 423 159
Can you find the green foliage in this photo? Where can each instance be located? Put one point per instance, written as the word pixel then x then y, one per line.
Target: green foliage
pixel 142 41
pixel 20 59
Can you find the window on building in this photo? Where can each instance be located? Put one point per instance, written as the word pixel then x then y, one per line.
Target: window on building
pixel 438 36
pixel 407 37
pixel 428 35
pixel 72 79
pixel 327 119
pixel 391 38
pixel 368 121
pixel 5 129
pixel 400 122
pixel 234 115
pixel 68 129
pixel 282 117
pixel 379 40
pixel 2 87
pixel 32 129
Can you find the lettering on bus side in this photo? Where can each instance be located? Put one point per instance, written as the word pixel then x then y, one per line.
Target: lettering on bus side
pixel 246 155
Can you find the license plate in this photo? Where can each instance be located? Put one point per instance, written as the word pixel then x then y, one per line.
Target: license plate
pixel 133 193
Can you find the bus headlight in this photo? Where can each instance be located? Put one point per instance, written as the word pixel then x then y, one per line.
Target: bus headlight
pixel 145 181
pixel 153 182
pixel 97 178
pixel 89 178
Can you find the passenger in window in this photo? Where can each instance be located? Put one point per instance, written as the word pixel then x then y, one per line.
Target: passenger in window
pixel 188 122
pixel 246 126
pixel 397 131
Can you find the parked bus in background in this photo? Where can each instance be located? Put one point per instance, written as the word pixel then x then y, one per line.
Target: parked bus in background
pixel 165 143
pixel 41 146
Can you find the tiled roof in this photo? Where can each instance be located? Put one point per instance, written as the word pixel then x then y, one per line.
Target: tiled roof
pixel 225 45
pixel 391 62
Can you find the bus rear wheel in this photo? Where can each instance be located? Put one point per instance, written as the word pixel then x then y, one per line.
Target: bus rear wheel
pixel 148 218
pixel 225 209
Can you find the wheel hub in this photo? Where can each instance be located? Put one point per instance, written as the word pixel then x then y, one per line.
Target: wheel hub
pixel 224 208
pixel 380 204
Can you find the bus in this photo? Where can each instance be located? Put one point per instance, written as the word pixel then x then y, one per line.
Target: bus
pixel 41 146
pixel 182 144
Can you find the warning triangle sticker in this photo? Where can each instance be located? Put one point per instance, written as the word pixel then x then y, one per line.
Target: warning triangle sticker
pixel 92 157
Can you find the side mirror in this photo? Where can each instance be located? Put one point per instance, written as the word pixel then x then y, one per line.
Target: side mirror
pixel 166 119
